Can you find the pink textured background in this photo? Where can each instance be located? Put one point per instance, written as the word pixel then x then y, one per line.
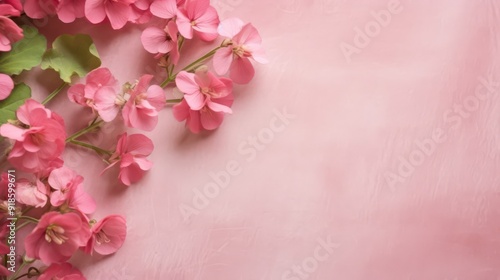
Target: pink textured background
pixel 323 175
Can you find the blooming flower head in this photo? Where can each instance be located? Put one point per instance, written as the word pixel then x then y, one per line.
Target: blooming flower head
pixel 100 92
pixel 68 190
pixel 66 10
pixel 61 271
pixel 31 193
pixel 244 43
pixel 117 11
pixel 9 31
pixel 39 138
pixel 6 86
pixel 140 11
pixel 141 109
pixel 198 17
pixel 131 153
pixel 56 237
pixel 108 235
pixel 161 41
pixel 206 99
pixel 14 3
pixel 165 9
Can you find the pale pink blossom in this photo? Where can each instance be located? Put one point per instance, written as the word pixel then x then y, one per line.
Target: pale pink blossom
pixel 100 92
pixel 31 193
pixel 165 9
pixel 203 88
pixel 140 11
pixel 131 154
pixel 57 237
pixel 39 141
pixel 67 10
pixel 108 235
pixel 6 86
pixel 199 18
pixel 141 109
pixel 9 31
pixel 61 271
pixel 40 8
pixel 244 43
pixel 206 99
pixel 204 119
pixel 117 11
pixel 68 190
pixel 157 40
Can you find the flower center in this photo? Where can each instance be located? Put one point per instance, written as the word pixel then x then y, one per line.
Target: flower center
pixel 55 233
pixel 193 23
pixel 241 51
pixel 138 98
pixel 209 92
pixel 101 237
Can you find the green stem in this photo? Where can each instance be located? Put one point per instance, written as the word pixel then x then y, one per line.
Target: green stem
pixel 54 93
pixel 28 218
pixel 92 147
pixel 77 134
pixel 22 225
pixel 174 100
pixel 191 66
pixel 21 266
pixel 195 63
pixel 29 274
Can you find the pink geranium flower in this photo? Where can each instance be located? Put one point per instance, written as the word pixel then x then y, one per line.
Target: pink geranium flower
pixel 31 193
pixel 39 141
pixel 140 12
pixel 68 190
pixel 206 100
pixel 14 3
pixel 6 86
pixel 244 43
pixel 204 89
pixel 131 153
pixel 62 271
pixel 40 8
pixel 9 31
pixel 117 11
pixel 198 17
pixel 56 237
pixel 165 9
pixel 141 109
pixel 100 92
pixel 156 40
pixel 204 119
pixel 66 10
pixel 108 235
pixel 69 10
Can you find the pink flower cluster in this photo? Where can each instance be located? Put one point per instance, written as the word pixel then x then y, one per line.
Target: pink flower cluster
pixel 206 97
pixel 52 196
pixel 65 227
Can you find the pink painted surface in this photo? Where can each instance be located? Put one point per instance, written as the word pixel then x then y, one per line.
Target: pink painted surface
pixel 388 169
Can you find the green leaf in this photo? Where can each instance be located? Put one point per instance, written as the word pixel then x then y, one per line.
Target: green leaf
pixel 25 54
pixel 72 55
pixel 8 106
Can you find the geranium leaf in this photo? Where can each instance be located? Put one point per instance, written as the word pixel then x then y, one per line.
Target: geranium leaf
pixel 71 55
pixel 8 107
pixel 25 54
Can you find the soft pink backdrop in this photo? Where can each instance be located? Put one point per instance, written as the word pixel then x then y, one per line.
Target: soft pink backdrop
pixel 322 176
